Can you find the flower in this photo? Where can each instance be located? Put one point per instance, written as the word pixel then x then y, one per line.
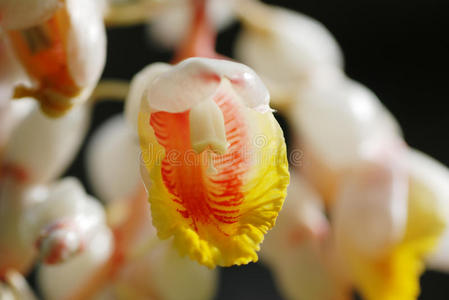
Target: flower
pixel 62 49
pixel 284 47
pixel 62 220
pixel 215 157
pixel 56 221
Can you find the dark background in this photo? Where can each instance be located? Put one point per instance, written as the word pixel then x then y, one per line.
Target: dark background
pixel 398 48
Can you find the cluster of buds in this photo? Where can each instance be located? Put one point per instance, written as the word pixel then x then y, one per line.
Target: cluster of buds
pixel 195 172
pixel 363 210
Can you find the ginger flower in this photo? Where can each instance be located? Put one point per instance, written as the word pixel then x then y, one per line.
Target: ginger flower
pixel 60 44
pixel 214 159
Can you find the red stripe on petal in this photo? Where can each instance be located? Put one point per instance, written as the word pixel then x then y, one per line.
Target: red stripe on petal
pixel 208 200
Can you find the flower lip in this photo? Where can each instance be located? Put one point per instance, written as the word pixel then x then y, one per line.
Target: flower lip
pixel 197 79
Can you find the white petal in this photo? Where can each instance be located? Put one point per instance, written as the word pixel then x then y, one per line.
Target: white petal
pixel 44 147
pixel 197 79
pixel 113 161
pixel 58 282
pixel 435 177
pixel 86 41
pixel 340 120
pixel 284 46
pixel 370 210
pixel 18 14
pixel 137 89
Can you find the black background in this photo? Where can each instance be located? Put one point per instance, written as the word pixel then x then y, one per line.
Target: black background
pixel 398 48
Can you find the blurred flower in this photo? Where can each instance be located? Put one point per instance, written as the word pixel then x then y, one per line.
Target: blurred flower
pixel 300 250
pixel 150 270
pixel 394 273
pixel 39 148
pixel 338 122
pixel 370 205
pixel 120 180
pixel 57 220
pixel 59 281
pixel 62 48
pixel 284 47
pixel 216 158
pixel 63 220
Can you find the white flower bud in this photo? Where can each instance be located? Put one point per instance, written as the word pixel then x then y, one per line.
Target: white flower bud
pixel 113 161
pixel 60 281
pixel 370 209
pixel 284 47
pixel 62 222
pixel 340 120
pixel 43 147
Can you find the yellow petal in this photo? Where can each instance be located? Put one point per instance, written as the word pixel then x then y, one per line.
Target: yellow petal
pixel 213 219
pixel 396 276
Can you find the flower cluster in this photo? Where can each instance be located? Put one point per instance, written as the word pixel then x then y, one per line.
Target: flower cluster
pixel 195 172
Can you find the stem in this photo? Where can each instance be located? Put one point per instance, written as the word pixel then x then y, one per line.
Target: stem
pixel 200 41
pixel 110 89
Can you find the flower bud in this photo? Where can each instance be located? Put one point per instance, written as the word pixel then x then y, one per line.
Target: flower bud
pixel 339 120
pixel 42 148
pixel 63 54
pixel 284 47
pixel 114 175
pixel 370 210
pixel 63 222
pixel 62 280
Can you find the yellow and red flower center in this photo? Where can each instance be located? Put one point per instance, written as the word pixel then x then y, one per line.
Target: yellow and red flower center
pixel 207 199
